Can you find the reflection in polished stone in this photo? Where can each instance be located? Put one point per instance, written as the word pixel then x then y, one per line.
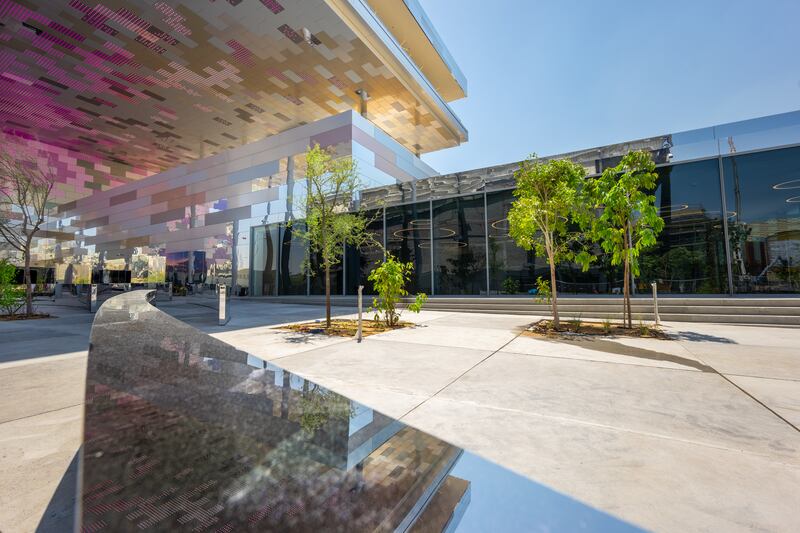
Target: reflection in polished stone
pixel 184 432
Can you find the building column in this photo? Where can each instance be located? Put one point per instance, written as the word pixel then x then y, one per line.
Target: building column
pixel 724 204
pixel 234 257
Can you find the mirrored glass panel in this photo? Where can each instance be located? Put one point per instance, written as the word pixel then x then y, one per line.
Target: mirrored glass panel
pixel 360 262
pixel 408 238
pixel 265 260
pixel 763 200
pixel 690 254
pixel 512 270
pixel 292 274
pixel 459 245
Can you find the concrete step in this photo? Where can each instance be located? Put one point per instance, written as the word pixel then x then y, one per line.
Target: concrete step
pixel 667 300
pixel 665 306
pixel 644 316
pixel 781 310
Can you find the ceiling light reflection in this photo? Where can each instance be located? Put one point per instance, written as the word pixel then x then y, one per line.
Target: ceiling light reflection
pixel 448 244
pixel 443 232
pixel 791 184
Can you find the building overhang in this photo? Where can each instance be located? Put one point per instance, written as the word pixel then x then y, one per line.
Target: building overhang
pixel 148 86
pixel 415 33
pixel 404 43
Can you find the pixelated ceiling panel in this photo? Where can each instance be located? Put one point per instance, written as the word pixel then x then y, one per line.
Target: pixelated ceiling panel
pixel 155 84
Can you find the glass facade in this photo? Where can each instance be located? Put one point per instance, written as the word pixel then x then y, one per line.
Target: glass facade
pixel 408 238
pixel 762 192
pixel 690 254
pixel 459 245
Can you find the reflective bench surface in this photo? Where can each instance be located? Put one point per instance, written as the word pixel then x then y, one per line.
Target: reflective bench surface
pixel 184 432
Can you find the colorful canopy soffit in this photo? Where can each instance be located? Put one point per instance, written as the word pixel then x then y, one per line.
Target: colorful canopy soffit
pixel 157 84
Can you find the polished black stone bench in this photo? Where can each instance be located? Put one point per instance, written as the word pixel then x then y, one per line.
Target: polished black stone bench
pixel 185 432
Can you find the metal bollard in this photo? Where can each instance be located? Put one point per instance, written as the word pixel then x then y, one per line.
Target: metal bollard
pixel 224 316
pixel 58 290
pixel 655 303
pixel 93 298
pixel 169 291
pixel 360 307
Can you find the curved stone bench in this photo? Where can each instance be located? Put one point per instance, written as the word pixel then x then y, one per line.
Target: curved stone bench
pixel 185 432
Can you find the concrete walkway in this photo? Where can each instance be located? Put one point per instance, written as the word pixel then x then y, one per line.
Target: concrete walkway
pixel 42 380
pixel 694 434
pixel 700 433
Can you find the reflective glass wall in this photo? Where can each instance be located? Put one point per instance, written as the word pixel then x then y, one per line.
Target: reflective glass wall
pixel 459 245
pixel 408 238
pixel 762 192
pixel 690 254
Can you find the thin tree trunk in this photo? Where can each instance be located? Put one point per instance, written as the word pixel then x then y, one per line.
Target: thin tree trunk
pixel 327 296
pixel 27 280
pixel 629 277
pixel 554 292
pixel 626 318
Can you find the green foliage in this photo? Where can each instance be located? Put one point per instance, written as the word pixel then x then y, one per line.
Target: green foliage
pixel 330 222
pixel 622 195
pixel 576 323
pixel 627 220
pixel 389 277
pixel 319 405
pixel 543 292
pixel 606 326
pixel 510 286
pixel 547 202
pixel 419 301
pixel 12 296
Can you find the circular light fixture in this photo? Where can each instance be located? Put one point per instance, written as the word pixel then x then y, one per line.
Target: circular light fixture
pixel 420 222
pixel 674 207
pixel 444 232
pixel 793 200
pixel 449 244
pixel 731 214
pixel 496 222
pixel 791 184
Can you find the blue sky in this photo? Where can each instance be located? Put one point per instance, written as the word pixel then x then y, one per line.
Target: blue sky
pixel 552 76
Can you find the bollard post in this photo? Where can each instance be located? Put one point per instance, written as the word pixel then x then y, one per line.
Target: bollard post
pixel 223 305
pixel 169 291
pixel 655 303
pixel 58 291
pixel 358 334
pixel 93 298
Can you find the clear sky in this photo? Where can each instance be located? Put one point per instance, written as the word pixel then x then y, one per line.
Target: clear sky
pixel 550 76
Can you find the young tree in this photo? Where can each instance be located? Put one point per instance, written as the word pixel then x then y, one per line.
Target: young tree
pixel 539 219
pixel 329 221
pixel 25 190
pixel 627 221
pixel 389 278
pixel 12 296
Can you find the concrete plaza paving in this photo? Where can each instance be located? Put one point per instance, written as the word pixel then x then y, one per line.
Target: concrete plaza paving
pixel 698 433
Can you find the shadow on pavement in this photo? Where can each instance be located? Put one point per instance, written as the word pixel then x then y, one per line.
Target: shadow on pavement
pixel 693 336
pixel 60 513
pixel 607 346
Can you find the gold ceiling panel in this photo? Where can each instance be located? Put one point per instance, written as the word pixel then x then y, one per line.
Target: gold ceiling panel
pixel 157 84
